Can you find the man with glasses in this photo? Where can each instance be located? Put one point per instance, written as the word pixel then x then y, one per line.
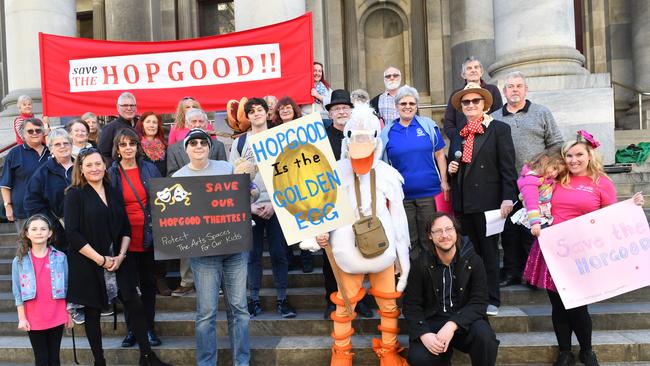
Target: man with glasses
pixel 177 158
pixel 384 103
pixel 533 131
pixel 454 121
pixel 127 109
pixel 211 273
pixel 445 300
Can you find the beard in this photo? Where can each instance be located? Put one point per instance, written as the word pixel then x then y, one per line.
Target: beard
pixel 392 84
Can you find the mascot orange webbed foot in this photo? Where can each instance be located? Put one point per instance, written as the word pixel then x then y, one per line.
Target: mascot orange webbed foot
pixel 388 355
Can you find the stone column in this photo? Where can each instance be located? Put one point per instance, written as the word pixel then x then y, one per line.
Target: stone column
pixel 351 48
pixel 472 34
pixel 128 20
pixel 188 26
pixel 99 19
pixel 640 11
pixel 254 13
pixel 419 53
pixel 537 39
pixel 24 19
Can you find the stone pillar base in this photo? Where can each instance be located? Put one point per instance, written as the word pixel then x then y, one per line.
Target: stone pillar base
pixel 578 102
pixel 10 109
pixel 630 120
pixel 540 62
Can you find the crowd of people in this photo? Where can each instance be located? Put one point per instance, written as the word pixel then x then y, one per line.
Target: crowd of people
pixel 79 195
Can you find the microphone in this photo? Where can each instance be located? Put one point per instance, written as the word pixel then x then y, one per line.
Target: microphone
pixel 457 156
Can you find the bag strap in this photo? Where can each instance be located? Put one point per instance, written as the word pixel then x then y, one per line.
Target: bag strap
pixel 126 176
pixel 373 194
pixel 240 143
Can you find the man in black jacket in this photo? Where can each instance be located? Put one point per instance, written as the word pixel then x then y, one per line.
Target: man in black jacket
pixel 127 109
pixel 445 300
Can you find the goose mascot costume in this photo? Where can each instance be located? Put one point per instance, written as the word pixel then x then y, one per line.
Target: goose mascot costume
pixel 361 152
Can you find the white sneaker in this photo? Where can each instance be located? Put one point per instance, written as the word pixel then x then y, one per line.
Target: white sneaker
pixel 492 310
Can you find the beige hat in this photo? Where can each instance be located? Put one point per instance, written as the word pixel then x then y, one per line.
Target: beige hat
pixel 472 88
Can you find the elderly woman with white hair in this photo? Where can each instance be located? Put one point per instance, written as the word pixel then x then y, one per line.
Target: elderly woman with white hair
pixel 46 188
pixel 414 146
pixel 20 164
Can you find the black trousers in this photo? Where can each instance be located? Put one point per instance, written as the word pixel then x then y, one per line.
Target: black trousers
pixel 46 345
pixel 516 241
pixel 567 321
pixel 473 226
pixel 146 269
pixel 479 341
pixel 138 325
pixel 329 280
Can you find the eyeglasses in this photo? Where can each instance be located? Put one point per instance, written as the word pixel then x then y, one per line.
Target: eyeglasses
pixel 34 131
pixel 448 230
pixel 410 104
pixel 195 142
pixel 127 106
pixel 87 151
pixel 474 101
pixel 340 108
pixel 389 76
pixel 61 144
pixel 515 86
pixel 129 143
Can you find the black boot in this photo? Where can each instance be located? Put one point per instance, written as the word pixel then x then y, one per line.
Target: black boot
pixel 150 359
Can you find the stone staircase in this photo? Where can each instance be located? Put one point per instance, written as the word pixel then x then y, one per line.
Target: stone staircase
pixel 621 325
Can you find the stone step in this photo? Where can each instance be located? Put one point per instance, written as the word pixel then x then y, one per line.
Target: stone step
pixel 313 299
pixel 535 348
pixel 524 319
pixel 8 239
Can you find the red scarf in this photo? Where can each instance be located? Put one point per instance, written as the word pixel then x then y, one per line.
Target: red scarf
pixel 471 128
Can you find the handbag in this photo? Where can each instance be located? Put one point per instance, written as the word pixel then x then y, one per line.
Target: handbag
pixel 147 238
pixel 370 237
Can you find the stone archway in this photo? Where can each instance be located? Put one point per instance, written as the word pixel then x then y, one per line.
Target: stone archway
pixel 384 45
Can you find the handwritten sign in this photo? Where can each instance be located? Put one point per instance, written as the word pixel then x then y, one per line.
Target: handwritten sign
pixel 599 255
pixel 298 169
pixel 200 216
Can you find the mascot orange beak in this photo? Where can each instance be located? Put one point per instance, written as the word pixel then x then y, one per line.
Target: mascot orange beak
pixel 362 154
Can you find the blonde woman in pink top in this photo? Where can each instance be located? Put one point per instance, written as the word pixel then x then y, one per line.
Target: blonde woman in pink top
pixel 179 129
pixel 583 188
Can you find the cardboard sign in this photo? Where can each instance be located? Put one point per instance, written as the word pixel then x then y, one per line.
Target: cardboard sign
pixel 297 165
pixel 200 216
pixel 599 255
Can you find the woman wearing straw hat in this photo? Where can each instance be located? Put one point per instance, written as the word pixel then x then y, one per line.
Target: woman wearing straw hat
pixel 483 178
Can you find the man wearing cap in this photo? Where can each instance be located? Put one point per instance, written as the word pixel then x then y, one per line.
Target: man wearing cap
pixel 483 179
pixel 472 72
pixel 533 130
pixel 384 103
pixel 177 158
pixel 211 273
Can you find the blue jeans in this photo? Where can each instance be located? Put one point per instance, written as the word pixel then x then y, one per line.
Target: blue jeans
pixel 208 273
pixel 278 252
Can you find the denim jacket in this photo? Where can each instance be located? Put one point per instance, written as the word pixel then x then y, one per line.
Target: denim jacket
pixel 24 278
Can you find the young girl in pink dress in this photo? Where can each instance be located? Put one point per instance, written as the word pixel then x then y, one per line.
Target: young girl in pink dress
pixel 40 280
pixel 582 188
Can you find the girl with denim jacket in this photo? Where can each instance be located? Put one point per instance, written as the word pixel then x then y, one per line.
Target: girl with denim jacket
pixel 39 284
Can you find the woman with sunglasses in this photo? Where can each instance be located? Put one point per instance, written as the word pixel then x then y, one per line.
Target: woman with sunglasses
pixel 20 164
pixel 130 175
pixel 414 146
pixel 98 231
pixel 484 178
pixel 46 188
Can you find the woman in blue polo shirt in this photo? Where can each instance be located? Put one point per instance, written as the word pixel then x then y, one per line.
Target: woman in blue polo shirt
pixel 19 166
pixel 414 146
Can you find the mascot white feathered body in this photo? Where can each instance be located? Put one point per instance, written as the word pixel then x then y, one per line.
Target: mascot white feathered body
pixel 361 152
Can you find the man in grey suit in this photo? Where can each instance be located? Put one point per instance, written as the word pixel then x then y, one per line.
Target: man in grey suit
pixel 176 155
pixel 177 158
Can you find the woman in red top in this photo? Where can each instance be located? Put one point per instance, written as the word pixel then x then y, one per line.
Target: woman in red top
pixel 130 174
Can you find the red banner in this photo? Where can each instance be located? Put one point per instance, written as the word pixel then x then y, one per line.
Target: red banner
pixel 80 75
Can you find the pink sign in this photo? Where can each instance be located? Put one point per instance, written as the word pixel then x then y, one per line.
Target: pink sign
pixel 599 255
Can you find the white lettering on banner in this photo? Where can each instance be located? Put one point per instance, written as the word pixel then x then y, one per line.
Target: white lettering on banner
pixel 176 69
